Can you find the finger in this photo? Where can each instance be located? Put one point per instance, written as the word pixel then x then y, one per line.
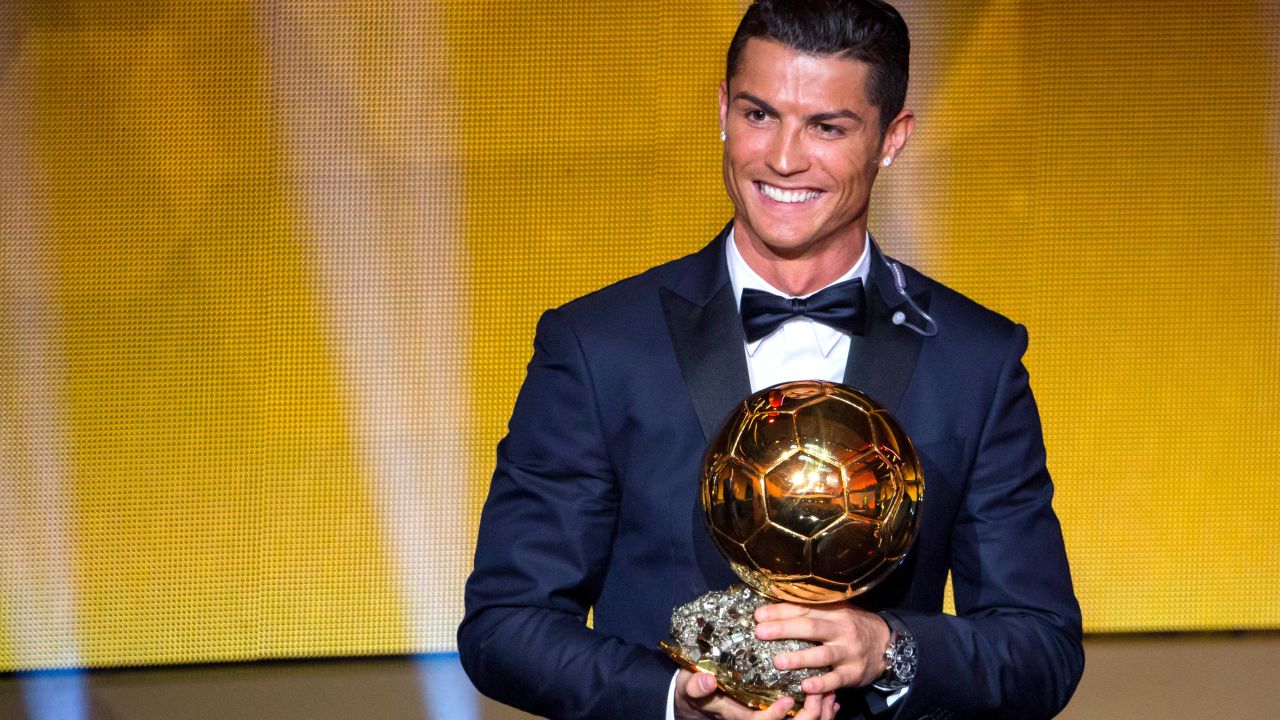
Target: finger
pixel 781 611
pixel 829 707
pixel 800 628
pixel 785 610
pixel 812 708
pixel 828 683
pixel 818 656
pixel 700 685
pixel 816 707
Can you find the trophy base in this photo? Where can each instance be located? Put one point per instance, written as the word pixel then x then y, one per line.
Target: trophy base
pixel 752 697
pixel 716 633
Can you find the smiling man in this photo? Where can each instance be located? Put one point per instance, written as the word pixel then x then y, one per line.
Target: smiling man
pixel 803 145
pixel 594 501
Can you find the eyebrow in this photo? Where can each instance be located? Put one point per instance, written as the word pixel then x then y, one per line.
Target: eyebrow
pixel 815 118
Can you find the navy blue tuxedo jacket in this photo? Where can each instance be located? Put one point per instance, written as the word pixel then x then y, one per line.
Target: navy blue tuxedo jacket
pixel 594 501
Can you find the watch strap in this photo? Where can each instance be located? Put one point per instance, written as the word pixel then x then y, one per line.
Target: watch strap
pixel 900 656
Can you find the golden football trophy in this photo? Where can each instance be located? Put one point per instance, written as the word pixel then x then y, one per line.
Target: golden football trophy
pixel 812 492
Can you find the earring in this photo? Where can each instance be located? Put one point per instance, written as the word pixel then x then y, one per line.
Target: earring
pixel 722 136
pixel 888 160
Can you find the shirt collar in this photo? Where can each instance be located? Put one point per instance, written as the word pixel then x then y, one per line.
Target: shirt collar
pixel 741 277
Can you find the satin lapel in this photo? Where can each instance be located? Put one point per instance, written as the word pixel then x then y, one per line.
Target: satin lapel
pixel 881 362
pixel 708 345
pixel 706 333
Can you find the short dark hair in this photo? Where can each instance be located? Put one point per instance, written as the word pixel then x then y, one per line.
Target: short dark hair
pixel 870 31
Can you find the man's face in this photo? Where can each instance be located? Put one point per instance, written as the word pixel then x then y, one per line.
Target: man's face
pixel 802 149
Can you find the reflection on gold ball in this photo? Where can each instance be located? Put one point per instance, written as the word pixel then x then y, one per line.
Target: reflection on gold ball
pixel 812 491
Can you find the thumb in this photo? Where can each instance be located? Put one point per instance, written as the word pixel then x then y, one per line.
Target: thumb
pixel 701 685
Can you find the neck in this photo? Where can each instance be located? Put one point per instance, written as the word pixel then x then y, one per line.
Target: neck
pixel 804 272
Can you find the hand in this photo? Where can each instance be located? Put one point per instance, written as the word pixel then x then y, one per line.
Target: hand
pixel 853 642
pixel 696 697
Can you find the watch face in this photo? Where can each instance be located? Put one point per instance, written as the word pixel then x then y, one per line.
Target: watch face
pixel 904 660
pixel 900 658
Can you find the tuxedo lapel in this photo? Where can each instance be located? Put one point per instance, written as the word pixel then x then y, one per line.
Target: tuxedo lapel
pixel 702 318
pixel 881 362
pixel 706 332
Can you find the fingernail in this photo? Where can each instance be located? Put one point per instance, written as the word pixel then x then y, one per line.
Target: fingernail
pixel 707 682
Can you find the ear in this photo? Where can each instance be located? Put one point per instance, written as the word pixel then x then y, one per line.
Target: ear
pixel 897 134
pixel 724 106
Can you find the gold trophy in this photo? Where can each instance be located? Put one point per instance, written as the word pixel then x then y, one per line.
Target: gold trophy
pixel 812 492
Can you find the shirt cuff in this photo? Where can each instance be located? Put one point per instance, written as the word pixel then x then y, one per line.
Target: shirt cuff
pixel 671 697
pixel 895 696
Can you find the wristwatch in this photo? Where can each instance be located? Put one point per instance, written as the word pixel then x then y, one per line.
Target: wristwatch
pixel 899 657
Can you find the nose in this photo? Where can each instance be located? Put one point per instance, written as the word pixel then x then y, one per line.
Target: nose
pixel 787 152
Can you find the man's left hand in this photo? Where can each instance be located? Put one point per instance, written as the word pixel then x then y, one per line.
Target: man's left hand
pixel 853 642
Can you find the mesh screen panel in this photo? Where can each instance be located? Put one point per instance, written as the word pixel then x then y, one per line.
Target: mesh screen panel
pixel 269 274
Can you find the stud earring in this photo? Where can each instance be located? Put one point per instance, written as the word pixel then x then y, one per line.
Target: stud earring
pixel 722 136
pixel 888 160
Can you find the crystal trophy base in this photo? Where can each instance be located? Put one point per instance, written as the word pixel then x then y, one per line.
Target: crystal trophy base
pixel 716 633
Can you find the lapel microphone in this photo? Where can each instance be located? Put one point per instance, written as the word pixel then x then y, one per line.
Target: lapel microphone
pixel 900 318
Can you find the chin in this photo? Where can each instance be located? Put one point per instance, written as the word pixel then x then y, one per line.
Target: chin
pixel 785 244
pixel 791 232
pixel 776 234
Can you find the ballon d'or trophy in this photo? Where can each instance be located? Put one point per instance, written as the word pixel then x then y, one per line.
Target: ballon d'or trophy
pixel 812 492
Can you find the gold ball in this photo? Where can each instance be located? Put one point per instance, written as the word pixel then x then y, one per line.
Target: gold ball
pixel 812 491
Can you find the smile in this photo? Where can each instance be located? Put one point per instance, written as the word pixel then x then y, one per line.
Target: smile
pixel 787 196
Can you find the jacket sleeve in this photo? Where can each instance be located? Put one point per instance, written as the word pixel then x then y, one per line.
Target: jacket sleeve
pixel 1014 648
pixel 543 547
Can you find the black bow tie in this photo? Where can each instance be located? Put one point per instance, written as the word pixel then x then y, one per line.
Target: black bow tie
pixel 840 306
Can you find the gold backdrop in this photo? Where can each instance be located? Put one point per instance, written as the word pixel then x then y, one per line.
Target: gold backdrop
pixel 269 273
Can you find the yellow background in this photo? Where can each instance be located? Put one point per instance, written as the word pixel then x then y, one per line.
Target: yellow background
pixel 270 273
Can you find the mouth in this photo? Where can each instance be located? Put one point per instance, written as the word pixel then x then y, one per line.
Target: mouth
pixel 789 197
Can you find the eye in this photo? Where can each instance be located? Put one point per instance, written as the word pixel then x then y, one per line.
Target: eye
pixel 756 115
pixel 829 130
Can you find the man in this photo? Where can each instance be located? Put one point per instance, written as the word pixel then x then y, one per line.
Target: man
pixel 594 500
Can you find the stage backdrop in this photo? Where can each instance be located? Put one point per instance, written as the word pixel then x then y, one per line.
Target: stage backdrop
pixel 269 273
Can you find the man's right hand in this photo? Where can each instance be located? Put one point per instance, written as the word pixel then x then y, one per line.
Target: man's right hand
pixel 697 697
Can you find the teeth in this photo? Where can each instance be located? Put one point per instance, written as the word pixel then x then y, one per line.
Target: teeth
pixel 787 196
